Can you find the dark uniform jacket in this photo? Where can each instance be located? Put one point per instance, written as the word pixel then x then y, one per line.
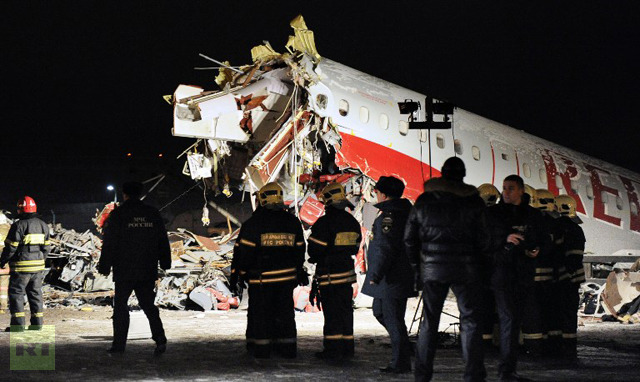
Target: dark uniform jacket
pixel 387 263
pixel 27 245
pixel 570 245
pixel 335 238
pixel 135 240
pixel 445 234
pixel 510 264
pixel 270 247
pixel 549 261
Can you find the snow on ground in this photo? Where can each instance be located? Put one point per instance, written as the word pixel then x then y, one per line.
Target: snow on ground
pixel 210 346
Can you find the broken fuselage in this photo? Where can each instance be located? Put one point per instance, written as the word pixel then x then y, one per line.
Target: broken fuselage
pixel 305 121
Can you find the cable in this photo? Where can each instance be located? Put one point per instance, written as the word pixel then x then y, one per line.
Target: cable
pixel 179 196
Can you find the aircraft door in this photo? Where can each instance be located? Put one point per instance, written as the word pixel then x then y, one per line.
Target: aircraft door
pixel 505 162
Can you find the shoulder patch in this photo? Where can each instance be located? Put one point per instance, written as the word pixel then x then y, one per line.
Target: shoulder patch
pixel 387 223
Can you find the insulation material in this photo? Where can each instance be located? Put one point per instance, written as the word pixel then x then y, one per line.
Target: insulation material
pixel 263 53
pixel 303 39
pixel 621 288
pixel 199 166
pixel 177 249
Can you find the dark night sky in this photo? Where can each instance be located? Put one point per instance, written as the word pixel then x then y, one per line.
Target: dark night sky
pixel 82 81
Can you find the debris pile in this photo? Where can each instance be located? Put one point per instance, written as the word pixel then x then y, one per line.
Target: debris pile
pixel 73 261
pixel 618 299
pixel 198 276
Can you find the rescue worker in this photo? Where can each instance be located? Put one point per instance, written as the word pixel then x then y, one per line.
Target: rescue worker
pixel 4 272
pixel 490 195
pixel 517 235
pixel 135 240
pixel 269 255
pixel 445 237
pixel 571 244
pixel 335 239
pixel 389 278
pixel 540 328
pixel 26 248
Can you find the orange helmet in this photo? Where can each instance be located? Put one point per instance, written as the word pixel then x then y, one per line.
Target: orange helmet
pixel 27 205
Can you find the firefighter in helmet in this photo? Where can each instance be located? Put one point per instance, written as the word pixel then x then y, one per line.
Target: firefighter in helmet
pixel 335 239
pixel 269 256
pixel 571 243
pixel 26 248
pixel 489 193
pixel 529 195
pixel 540 323
pixel 489 325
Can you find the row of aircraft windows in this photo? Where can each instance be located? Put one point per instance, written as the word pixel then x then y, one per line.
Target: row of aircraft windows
pixel 403 129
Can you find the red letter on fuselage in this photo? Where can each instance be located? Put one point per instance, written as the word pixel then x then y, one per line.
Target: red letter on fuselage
pixel 598 203
pixel 570 172
pixel 632 196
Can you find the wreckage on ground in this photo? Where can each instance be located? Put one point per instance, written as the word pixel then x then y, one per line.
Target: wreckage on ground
pixel 198 275
pixel 303 120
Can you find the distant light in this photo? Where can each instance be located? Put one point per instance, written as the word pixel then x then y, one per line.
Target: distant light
pixel 110 187
pixel 160 155
pixel 129 154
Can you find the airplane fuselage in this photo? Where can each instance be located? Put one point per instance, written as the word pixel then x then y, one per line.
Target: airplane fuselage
pixel 376 139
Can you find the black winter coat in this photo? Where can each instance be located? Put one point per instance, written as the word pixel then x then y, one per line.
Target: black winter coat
pixel 445 235
pixel 135 240
pixel 510 264
pixel 387 263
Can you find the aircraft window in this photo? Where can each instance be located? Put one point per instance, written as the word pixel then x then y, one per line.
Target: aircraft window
pixel 343 107
pixel 475 152
pixel 543 176
pixel 619 203
pixel 384 121
pixel 526 170
pixel 423 135
pixel 440 140
pixel 403 127
pixel 457 146
pixel 634 209
pixel 321 101
pixel 505 156
pixel 364 114
pixel 590 191
pixel 559 181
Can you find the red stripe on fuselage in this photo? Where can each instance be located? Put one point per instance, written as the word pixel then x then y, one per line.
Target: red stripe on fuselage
pixel 493 159
pixel 375 160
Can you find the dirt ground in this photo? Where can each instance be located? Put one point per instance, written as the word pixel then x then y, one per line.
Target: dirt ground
pixel 210 346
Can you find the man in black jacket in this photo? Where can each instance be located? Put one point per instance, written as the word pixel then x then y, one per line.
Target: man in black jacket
pixel 389 276
pixel 335 239
pixel 135 240
pixel 26 248
pixel 518 234
pixel 444 238
pixel 269 255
